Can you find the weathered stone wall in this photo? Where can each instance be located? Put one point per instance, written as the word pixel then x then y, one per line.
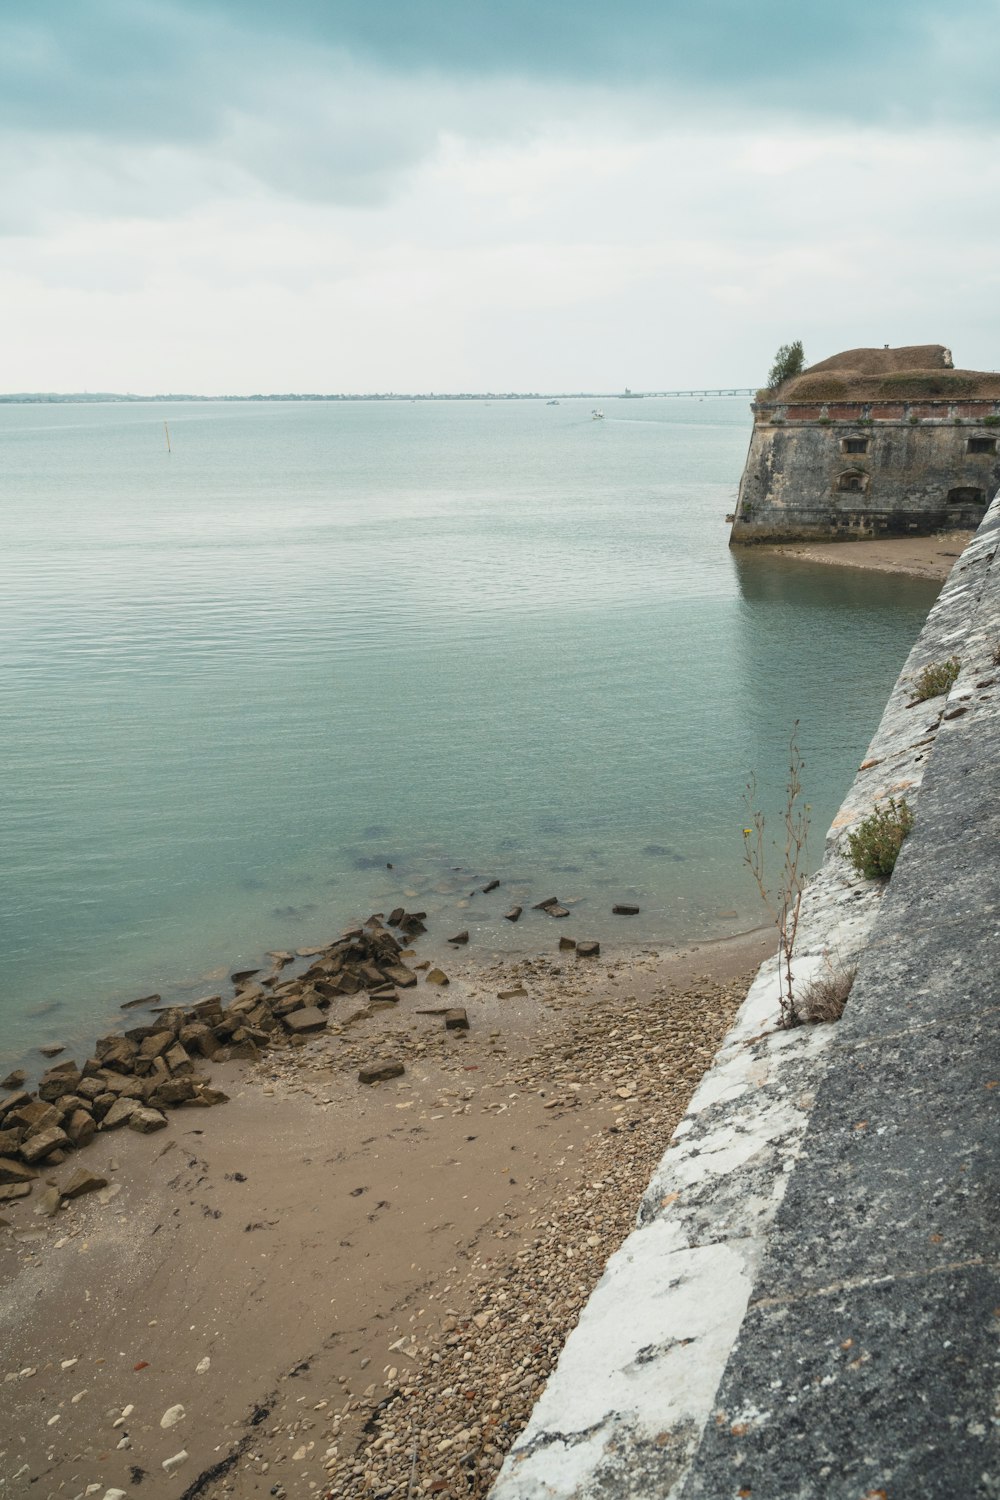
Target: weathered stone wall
pixel 852 469
pixel 808 1305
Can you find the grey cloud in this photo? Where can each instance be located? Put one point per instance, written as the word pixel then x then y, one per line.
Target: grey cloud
pixel 338 99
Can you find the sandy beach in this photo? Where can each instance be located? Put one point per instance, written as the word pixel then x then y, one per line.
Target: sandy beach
pixel 326 1287
pixel 921 556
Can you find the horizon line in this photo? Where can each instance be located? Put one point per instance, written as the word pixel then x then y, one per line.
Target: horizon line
pixel 39 397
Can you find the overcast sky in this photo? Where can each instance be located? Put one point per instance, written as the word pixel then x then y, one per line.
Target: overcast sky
pixel 354 195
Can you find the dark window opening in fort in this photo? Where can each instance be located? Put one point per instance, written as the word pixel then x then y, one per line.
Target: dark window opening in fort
pixel 982 445
pixel 854 445
pixel 852 482
pixel 966 495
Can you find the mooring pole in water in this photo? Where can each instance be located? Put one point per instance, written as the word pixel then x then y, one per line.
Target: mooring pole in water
pixel 167 431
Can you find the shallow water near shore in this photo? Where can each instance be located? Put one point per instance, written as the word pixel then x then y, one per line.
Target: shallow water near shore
pixel 322 659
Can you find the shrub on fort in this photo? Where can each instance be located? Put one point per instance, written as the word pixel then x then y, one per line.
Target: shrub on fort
pixel 936 678
pixel 788 361
pixel 824 999
pixel 875 844
pixel 991 421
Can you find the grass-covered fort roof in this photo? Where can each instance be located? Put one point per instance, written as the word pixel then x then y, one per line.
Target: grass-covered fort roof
pixel 915 372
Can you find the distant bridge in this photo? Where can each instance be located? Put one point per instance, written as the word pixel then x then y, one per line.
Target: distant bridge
pixel 729 390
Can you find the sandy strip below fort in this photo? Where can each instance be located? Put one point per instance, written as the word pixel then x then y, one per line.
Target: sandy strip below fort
pixel 921 556
pixel 355 1290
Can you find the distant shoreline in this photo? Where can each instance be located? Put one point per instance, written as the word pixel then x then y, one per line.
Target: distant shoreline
pixel 102 398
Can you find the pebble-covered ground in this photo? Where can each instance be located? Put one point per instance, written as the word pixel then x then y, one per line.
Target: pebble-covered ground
pixel 465 1364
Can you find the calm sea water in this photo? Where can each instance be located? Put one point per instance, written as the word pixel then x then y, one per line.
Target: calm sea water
pixel 467 640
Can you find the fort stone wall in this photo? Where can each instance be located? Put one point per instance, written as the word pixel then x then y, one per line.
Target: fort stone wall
pixel 846 469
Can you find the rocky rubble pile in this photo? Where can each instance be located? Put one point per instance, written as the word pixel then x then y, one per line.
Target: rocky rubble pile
pixel 135 1076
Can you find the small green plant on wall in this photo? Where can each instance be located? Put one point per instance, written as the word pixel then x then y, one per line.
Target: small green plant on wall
pixel 875 844
pixel 936 678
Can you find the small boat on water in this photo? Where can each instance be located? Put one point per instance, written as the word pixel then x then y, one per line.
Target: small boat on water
pixel 597 415
pixel 552 403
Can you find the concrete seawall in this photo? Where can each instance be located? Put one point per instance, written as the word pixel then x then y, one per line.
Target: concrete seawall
pixel 809 1305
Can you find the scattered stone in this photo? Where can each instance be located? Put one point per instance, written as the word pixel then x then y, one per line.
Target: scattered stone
pixel 170 1464
pixel 514 994
pixel 544 905
pixel 242 975
pixel 171 1093
pixel 513 914
pixel 378 1072
pixel 203 1366
pixel 36 1115
pixel 146 1120
pixel 399 974
pixel 13 1080
pixel 557 911
pixel 460 937
pixel 308 1018
pixel 52 1049
pixel 456 1019
pixel 81 1127
pixel 624 910
pixel 437 976
pixel 172 1416
pixel 10 1191
pixel 490 885
pixel 48 1203
pixel 81 1181
pixel 38 1147
pixel 118 1115
pixel 566 943
pixel 143 1000
pixel 16 1101
pixel 64 1078
pixel 205 1096
pixel 177 1059
pixel 588 950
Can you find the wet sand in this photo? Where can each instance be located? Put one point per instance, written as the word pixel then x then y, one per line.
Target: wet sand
pixel 921 556
pixel 354 1290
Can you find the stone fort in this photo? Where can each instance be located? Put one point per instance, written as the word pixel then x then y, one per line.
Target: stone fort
pixel 872 442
